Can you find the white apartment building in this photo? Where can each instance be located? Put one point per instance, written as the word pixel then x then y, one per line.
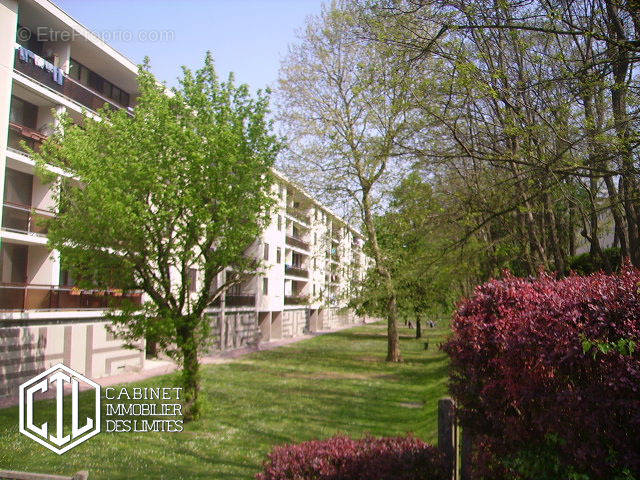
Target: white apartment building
pixel 49 62
pixel 313 261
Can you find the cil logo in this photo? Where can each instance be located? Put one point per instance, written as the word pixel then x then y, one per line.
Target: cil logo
pixel 52 433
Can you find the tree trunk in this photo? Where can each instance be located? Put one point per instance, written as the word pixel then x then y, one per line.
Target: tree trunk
pixel 190 372
pixel 418 327
pixel 151 347
pixel 556 247
pixel 393 342
pixel 619 56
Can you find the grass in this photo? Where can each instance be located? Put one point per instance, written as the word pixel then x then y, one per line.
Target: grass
pixel 335 383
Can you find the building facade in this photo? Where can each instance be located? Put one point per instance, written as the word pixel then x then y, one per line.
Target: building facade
pixel 51 64
pixel 312 264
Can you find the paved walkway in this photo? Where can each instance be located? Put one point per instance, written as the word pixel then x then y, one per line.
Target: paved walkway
pixel 154 368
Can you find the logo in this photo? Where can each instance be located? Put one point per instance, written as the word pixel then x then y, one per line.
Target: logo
pixel 52 433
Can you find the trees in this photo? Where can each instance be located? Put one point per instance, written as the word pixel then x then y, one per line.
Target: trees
pixel 414 234
pixel 152 202
pixel 536 126
pixel 347 104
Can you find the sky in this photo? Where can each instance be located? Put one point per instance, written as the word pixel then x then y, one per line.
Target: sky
pixel 247 37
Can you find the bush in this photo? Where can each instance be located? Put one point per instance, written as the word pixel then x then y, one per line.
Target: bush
pixel 343 458
pixel 547 376
pixel 586 264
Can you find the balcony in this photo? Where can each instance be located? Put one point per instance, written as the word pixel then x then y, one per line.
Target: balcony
pixel 21 297
pixel 24 219
pixel 236 301
pixel 70 87
pixel 299 215
pixel 297 242
pixel 296 271
pixel 295 300
pixel 38 74
pixel 87 97
pixel 19 133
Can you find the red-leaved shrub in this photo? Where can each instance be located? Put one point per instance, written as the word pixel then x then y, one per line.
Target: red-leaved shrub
pixel 344 458
pixel 547 376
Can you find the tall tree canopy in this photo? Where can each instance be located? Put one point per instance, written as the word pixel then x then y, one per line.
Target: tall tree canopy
pixel 536 127
pixel 347 105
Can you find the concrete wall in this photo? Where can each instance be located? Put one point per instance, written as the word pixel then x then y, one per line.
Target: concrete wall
pixel 240 329
pixel 331 318
pixel 86 347
pixel 41 265
pixel 8 25
pixel 295 323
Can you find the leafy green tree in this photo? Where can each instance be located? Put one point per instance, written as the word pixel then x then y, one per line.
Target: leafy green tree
pixel 175 192
pixel 415 237
pixel 347 104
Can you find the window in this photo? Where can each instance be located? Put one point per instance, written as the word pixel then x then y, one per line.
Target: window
pixel 314 289
pixel 193 278
pixel 266 251
pixel 23 113
pixel 95 81
pixel 279 222
pixel 265 286
pixel 280 191
pixel 13 263
pixel 278 255
pixel 315 238
pixel 314 263
pixel 66 279
pixel 90 79
pixel 18 188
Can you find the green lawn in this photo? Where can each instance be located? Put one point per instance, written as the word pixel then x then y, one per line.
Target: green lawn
pixel 311 389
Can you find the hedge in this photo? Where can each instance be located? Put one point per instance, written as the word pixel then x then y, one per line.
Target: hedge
pixel 547 376
pixel 344 458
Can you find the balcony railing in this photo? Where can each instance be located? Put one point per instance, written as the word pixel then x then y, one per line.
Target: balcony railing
pixel 297 271
pixel 21 297
pixel 24 219
pixel 236 301
pixel 298 215
pixel 70 87
pixel 38 74
pixel 295 300
pixel 19 133
pixel 297 242
pixel 87 97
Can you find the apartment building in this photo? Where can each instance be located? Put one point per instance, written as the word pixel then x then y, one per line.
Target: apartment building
pixel 313 262
pixel 51 63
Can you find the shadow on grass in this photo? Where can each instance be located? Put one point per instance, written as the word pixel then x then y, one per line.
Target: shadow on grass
pixel 334 383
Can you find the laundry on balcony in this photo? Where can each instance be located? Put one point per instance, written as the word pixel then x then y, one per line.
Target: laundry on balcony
pixel 56 73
